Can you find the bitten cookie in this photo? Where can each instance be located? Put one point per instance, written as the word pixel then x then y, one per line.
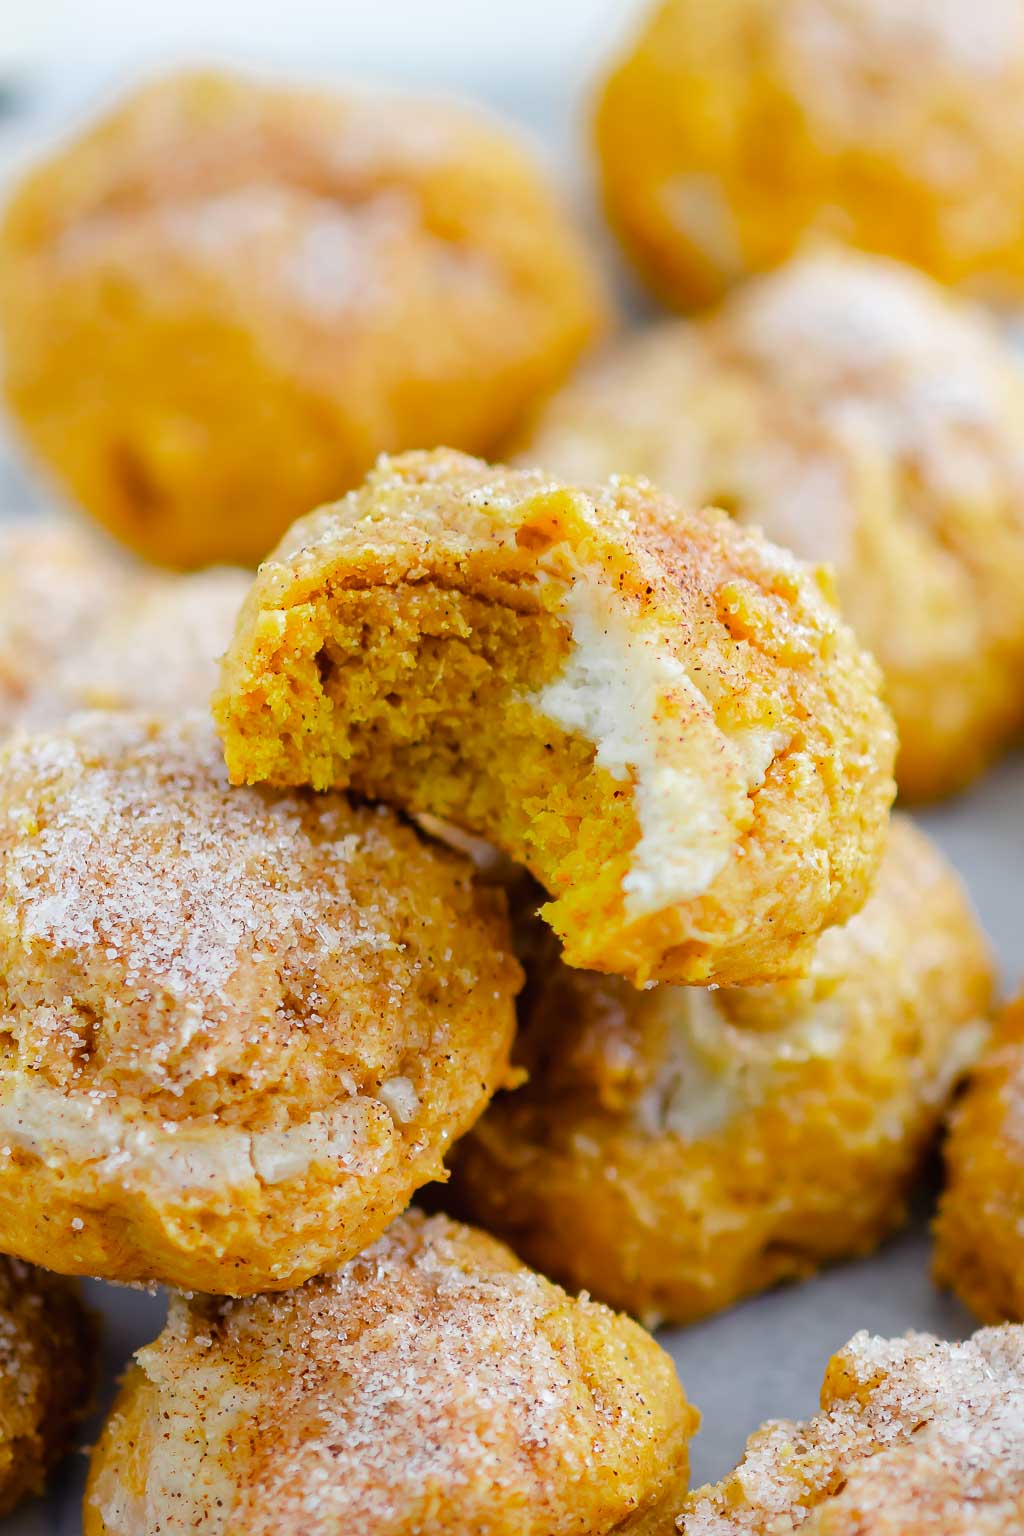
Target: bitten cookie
pixel 655 711
pixel 434 1384
pixel 241 1027
pixel 675 1150
pixel 224 299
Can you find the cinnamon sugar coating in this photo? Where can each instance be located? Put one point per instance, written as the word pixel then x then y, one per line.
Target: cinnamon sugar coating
pixel 674 1150
pixel 48 1368
pixel 731 132
pixel 980 1227
pixel 916 1437
pixel 432 1385
pixel 222 300
pixel 859 415
pixel 239 1028
pixel 654 710
pixel 82 629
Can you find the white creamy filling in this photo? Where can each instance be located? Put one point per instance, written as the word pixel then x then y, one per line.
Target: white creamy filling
pixel 716 1071
pixel 623 690
pixel 758 748
pixel 56 1127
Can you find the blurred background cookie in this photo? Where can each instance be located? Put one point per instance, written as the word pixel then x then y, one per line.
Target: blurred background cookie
pixel 674 1150
pixel 241 1027
pixel 860 416
pixel 224 299
pixel 914 1436
pixel 432 1384
pixel 48 1369
pixel 980 1228
pixel 81 628
pixel 654 710
pixel 732 130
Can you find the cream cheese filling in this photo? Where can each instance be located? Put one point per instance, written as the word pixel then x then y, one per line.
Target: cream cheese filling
pixel 623 690
pixel 715 1071
pixel 58 1128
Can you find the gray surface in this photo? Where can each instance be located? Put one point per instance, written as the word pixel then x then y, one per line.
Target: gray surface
pixel 766 1358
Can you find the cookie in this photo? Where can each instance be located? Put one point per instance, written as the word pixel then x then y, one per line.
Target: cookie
pixel 675 1150
pixel 48 1369
pixel 731 132
pixel 915 1437
pixel 81 629
pixel 241 1027
pixel 980 1226
pixel 220 302
pixel 432 1384
pixel 655 711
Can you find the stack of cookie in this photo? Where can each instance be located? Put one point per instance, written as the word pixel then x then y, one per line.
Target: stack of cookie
pixel 535 861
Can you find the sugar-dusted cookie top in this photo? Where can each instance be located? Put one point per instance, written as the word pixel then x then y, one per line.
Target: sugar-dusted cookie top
pixel 243 1025
pixel 432 1384
pixel 916 1437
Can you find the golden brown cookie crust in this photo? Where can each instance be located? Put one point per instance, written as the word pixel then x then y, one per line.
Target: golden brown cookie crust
pixel 915 1436
pixel 657 712
pixel 48 1367
pixel 675 1150
pixel 225 298
pixel 859 415
pixel 980 1227
pixel 731 132
pixel 240 1027
pixel 433 1384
